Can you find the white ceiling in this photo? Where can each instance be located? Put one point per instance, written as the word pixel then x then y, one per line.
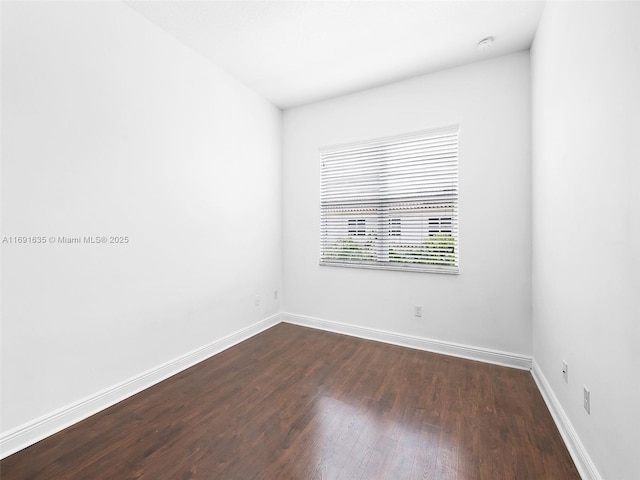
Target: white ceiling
pixel 297 52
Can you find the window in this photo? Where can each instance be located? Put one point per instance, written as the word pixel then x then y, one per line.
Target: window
pixel 439 225
pixel 392 203
pixel 394 227
pixel 356 226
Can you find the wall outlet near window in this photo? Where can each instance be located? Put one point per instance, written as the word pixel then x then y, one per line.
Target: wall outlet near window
pixel 257 301
pixel 587 400
pixel 417 310
pixel 565 372
pixel 275 294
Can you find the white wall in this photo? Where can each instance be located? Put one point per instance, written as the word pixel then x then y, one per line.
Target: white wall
pixel 488 305
pixel 112 127
pixel 586 223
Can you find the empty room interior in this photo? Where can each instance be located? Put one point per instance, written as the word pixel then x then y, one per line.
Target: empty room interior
pixel 320 239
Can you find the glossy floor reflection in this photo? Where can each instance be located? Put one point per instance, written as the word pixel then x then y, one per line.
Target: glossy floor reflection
pixel 297 403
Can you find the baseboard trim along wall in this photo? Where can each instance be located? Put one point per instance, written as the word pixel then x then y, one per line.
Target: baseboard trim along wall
pixel 40 428
pixel 486 355
pixel 578 453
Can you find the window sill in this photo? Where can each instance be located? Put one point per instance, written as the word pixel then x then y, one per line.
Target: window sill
pixel 396 267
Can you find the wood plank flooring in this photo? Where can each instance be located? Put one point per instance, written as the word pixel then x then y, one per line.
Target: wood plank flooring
pixel 297 403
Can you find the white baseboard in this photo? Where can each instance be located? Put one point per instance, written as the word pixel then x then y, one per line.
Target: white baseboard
pixel 29 433
pixel 578 453
pixel 486 355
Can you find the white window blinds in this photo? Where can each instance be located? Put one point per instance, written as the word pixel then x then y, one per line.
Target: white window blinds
pixel 392 203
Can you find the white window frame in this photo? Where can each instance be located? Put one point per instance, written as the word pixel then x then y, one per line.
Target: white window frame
pixel 392 203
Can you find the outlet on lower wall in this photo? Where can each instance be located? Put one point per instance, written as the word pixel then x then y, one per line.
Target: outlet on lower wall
pixel 565 372
pixel 587 400
pixel 417 310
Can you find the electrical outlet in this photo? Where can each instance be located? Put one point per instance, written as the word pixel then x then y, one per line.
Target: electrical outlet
pixel 587 400
pixel 275 294
pixel 257 301
pixel 565 372
pixel 417 310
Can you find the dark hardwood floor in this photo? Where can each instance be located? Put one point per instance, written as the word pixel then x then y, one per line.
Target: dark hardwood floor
pixel 297 403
